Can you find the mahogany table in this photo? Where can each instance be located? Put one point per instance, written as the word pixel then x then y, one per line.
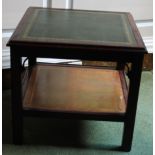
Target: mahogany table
pixel 70 91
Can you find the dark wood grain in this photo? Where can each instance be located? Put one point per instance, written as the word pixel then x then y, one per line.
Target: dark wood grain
pixel 136 32
pixel 16 95
pixel 15 39
pixel 132 103
pixel 76 92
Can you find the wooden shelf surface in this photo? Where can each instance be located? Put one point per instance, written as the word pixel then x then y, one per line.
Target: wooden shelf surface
pixel 74 89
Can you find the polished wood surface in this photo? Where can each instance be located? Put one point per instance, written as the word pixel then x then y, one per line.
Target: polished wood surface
pixel 77 28
pixel 74 89
pixel 73 92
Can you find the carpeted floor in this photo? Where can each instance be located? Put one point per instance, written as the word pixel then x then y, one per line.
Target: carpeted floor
pixel 47 136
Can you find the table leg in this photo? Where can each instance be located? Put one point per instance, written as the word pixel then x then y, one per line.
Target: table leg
pixel 32 61
pixel 132 103
pixel 120 66
pixel 17 117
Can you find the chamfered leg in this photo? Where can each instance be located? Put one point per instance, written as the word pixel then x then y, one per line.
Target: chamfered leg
pixel 16 92
pixel 135 78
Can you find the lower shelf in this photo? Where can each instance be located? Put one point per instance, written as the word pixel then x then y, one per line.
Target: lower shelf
pixel 74 89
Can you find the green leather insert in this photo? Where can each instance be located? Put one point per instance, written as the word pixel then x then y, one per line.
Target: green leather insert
pixel 66 26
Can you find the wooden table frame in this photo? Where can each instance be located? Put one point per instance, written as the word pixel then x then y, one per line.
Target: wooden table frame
pixel 121 55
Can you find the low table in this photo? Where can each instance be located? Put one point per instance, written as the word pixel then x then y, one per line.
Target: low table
pixel 70 91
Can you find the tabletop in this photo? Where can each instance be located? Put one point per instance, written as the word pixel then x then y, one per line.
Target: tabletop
pixel 99 28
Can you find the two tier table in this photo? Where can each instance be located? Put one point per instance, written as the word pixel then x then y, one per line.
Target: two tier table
pixel 71 91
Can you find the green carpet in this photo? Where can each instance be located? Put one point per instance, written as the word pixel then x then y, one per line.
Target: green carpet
pixel 69 137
